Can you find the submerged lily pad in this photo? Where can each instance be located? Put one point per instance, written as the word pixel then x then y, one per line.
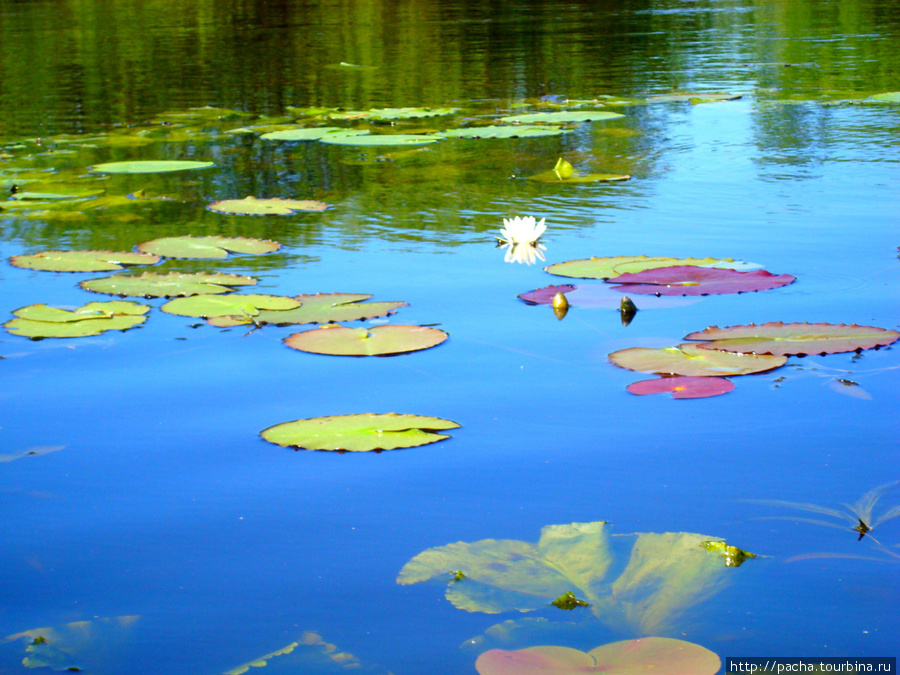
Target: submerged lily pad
pixel 794 338
pixel 562 117
pixel 81 261
pixel 683 386
pixel 42 321
pixel 206 248
pixel 251 206
pixel 150 166
pixel 359 433
pixel 378 341
pixel 153 285
pixel 694 280
pixel 205 306
pixel 564 172
pixel 657 655
pixel 734 556
pixel 689 359
pixel 380 139
pixel 612 266
pixel 318 308
pixel 311 133
pixel 494 131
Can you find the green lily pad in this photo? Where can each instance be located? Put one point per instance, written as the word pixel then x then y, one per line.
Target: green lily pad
pixel 318 308
pixel 409 113
pixel 689 359
pixel 562 117
pixel 612 266
pixel 794 338
pixel 693 97
pixel 251 206
pixel 342 341
pixel 311 133
pixel 380 139
pixel 153 285
pixel 568 601
pixel 149 166
pixel 205 306
pixel 53 196
pixel 563 172
pixel 359 433
pixel 658 655
pixel 494 131
pixel 888 97
pixel 206 248
pixel 81 261
pixel 42 321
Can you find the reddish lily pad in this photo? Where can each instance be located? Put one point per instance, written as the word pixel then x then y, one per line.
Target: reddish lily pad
pixel 251 206
pixel 153 285
pixel 318 308
pixel 206 248
pixel 378 341
pixel 81 261
pixel 690 359
pixel 683 386
pixel 794 338
pixel 544 296
pixel 661 656
pixel 598 296
pixel 692 280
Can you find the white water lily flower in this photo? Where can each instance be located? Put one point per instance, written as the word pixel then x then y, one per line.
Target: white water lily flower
pixel 523 253
pixel 522 230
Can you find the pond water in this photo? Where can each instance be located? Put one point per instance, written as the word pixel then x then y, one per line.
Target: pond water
pixel 136 493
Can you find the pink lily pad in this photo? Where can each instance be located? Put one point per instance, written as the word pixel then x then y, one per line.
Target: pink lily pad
pixel 661 656
pixel 544 296
pixel 692 280
pixel 596 296
pixel 683 386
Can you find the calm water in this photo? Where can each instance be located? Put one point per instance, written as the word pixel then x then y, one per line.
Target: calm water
pixel 163 503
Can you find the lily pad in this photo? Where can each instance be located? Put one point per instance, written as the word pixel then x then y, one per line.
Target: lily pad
pixel 378 341
pixel 693 280
pixel 494 131
pixel 888 97
pixel 251 206
pixel 318 308
pixel 205 306
pixel 409 113
pixel 564 172
pixel 81 261
pixel 658 655
pixel 380 139
pixel 562 117
pixel 149 166
pixel 153 285
pixel 42 321
pixel 693 97
pixel 598 296
pixel 734 556
pixel 359 433
pixel 612 266
pixel 310 133
pixel 690 360
pixel 794 338
pixel 206 248
pixel 683 387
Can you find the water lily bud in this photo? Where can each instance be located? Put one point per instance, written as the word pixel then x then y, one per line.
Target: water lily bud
pixel 560 305
pixel 627 310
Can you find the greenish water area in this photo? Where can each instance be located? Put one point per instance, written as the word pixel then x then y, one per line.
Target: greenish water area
pixel 149 527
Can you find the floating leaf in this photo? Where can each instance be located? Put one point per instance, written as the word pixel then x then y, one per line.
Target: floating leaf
pixel 251 206
pixel 359 433
pixel 35 451
pixel 690 359
pixel 205 306
pixel 546 295
pixel 794 338
pixel 81 261
pixel 612 266
pixel 693 280
pixel 206 248
pixel 409 113
pixel 378 341
pixel 682 386
pixel 734 557
pixel 568 601
pixel 594 296
pixel 149 166
pixel 888 97
pixel 380 139
pixel 41 321
pixel 657 655
pixel 151 284
pixel 52 196
pixel 563 172
pixel 494 131
pixel 693 97
pixel 318 308
pixel 311 133
pixel 562 117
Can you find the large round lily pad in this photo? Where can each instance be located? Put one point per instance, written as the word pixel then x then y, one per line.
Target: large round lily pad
pixel 562 117
pixel 233 304
pixel 152 285
pixel 694 280
pixel 150 166
pixel 494 131
pixel 206 248
pixel 251 206
pixel 612 266
pixel 794 338
pixel 378 341
pixel 359 433
pixel 690 359
pixel 660 656
pixel 409 113
pixel 42 321
pixel 888 97
pixel 380 139
pixel 682 387
pixel 318 308
pixel 81 261
pixel 311 133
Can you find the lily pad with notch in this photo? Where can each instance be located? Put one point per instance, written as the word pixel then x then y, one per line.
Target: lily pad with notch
pixel 149 166
pixel 494 131
pixel 206 248
pixel 318 308
pixel 562 117
pixel 682 386
pixel 232 304
pixel 794 338
pixel 359 433
pixel 311 133
pixel 376 140
pixel 251 206
pixel 690 360
pixel 695 280
pixel 81 261
pixel 337 340
pixel 42 321
pixel 612 266
pixel 153 285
